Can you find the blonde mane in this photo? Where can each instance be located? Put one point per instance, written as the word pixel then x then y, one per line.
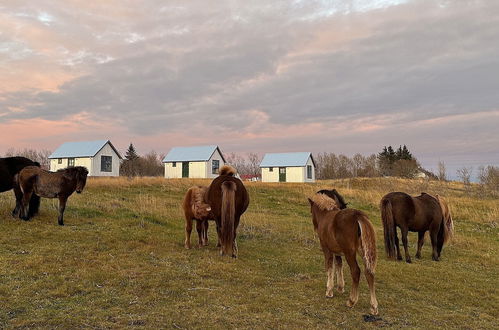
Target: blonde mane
pixel 324 202
pixel 227 170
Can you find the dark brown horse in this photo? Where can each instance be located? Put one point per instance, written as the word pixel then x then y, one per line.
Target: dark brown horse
pixel 417 214
pixel 195 208
pixel 344 232
pixel 9 168
pixel 60 184
pixel 228 200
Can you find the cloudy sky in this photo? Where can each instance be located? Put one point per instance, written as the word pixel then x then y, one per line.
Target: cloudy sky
pixel 254 76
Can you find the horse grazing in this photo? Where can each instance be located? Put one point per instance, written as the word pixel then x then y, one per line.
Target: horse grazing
pixel 417 214
pixel 228 200
pixel 9 168
pixel 344 232
pixel 60 184
pixel 195 208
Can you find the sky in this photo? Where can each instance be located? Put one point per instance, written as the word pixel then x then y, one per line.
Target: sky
pixel 255 76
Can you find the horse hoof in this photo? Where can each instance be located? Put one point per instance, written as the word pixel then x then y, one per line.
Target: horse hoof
pixel 341 289
pixel 329 294
pixel 350 303
pixel 418 256
pixel 399 258
pixel 409 261
pixel 374 310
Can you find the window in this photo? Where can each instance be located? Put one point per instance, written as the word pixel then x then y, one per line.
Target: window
pixel 174 164
pixel 106 163
pixel 309 171
pixel 271 169
pixel 71 162
pixel 215 165
pixel 59 161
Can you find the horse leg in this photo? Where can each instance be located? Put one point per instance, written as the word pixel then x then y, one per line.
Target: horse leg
pixel 234 243
pixel 19 196
pixel 339 274
pixel 434 242
pixel 205 232
pixel 188 230
pixel 62 207
pixel 370 282
pixel 420 243
pixel 399 255
pixel 24 214
pixel 355 272
pixel 404 232
pixel 199 229
pixel 440 239
pixel 330 269
pixel 219 234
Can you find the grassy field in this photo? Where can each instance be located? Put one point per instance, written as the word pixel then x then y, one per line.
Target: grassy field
pixel 120 262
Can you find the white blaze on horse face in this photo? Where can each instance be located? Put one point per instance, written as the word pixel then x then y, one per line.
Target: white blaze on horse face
pixel 208 209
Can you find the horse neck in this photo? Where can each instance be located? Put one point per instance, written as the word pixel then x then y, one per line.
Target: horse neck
pixel 323 218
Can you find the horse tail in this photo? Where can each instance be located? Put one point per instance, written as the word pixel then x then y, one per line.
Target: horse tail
pixel 228 215
pixel 447 222
pixel 368 243
pixel 388 227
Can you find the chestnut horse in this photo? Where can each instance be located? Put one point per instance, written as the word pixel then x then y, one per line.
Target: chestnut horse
pixel 228 200
pixel 344 232
pixel 9 168
pixel 195 208
pixel 417 214
pixel 60 184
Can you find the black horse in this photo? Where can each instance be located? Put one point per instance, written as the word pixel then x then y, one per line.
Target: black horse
pixel 9 168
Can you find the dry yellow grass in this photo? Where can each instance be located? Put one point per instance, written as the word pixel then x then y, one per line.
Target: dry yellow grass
pixel 120 262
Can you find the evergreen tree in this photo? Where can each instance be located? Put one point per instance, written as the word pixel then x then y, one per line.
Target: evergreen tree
pixel 131 154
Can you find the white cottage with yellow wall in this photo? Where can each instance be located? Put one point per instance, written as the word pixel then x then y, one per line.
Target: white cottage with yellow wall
pixel 193 162
pixel 288 167
pixel 99 157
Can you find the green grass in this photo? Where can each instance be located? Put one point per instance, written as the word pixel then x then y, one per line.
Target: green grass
pixel 120 262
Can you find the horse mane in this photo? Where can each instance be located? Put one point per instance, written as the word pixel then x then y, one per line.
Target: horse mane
pixel 324 202
pixel 334 194
pixel 227 170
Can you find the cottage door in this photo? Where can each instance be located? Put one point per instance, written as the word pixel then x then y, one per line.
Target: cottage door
pixel 282 174
pixel 185 169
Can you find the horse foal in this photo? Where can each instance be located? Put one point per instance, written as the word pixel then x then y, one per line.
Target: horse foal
pixel 61 184
pixel 196 209
pixel 344 232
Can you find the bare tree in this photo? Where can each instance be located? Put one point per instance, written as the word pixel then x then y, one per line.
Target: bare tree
pixel 237 161
pixel 465 175
pixel 442 175
pixel 40 156
pixel 254 164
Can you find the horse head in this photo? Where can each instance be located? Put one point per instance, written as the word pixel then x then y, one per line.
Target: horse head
pixel 321 202
pixel 340 201
pixel 78 174
pixel 81 178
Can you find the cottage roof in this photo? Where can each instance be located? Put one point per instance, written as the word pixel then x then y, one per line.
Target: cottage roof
pixel 190 154
pixel 288 159
pixel 81 149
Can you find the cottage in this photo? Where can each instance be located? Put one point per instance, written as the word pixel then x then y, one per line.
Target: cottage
pixel 288 167
pixel 193 162
pixel 99 157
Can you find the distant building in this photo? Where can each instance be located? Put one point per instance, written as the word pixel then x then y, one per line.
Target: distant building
pixel 99 157
pixel 193 162
pixel 288 167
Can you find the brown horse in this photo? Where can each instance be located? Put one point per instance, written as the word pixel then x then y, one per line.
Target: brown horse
pixel 9 168
pixel 60 184
pixel 195 208
pixel 345 232
pixel 417 214
pixel 228 200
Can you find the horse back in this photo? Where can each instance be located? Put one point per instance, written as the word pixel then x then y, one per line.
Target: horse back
pixel 213 196
pixel 9 167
